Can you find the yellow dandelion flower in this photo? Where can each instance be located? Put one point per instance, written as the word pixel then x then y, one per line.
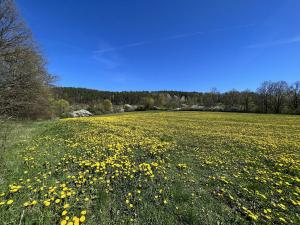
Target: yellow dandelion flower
pixel 9 202
pixel 47 203
pixel 26 204
pixel 63 222
pixel 268 217
pixel 82 219
pixel 282 219
pixel 253 216
pixel 34 202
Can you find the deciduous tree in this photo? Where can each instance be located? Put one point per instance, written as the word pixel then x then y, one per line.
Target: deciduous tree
pixel 24 80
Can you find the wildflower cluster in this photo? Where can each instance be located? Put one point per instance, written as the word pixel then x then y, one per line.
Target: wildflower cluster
pixel 183 166
pixel 66 170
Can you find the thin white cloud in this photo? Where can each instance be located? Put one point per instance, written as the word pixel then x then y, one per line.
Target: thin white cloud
pixel 275 43
pixel 176 36
pixel 134 44
pixel 109 59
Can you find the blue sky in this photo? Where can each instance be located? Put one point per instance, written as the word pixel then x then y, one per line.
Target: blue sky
pixel 192 45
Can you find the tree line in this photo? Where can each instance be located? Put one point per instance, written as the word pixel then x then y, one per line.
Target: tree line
pixel 270 97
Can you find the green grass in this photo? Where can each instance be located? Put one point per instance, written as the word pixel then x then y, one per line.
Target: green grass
pixel 19 134
pixel 190 168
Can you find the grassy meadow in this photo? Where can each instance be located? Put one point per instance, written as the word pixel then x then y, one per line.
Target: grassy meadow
pixel 153 168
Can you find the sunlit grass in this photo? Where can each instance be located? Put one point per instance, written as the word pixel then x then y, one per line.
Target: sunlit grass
pixel 156 168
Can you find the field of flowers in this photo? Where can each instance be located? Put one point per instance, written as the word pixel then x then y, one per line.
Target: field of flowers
pixel 156 168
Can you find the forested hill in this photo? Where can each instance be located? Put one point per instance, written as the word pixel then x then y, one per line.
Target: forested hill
pixel 88 96
pixel 270 97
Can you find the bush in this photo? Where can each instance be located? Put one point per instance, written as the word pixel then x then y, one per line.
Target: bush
pixel 61 107
pixel 148 102
pixel 96 108
pixel 107 105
